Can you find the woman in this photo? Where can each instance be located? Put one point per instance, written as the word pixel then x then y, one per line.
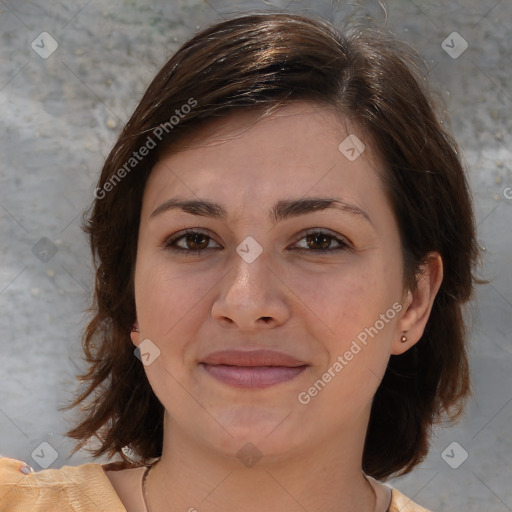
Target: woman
pixel 284 242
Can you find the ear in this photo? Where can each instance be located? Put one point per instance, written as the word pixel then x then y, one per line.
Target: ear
pixel 135 334
pixel 418 304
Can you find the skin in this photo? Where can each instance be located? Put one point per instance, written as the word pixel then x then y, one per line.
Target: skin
pixel 309 305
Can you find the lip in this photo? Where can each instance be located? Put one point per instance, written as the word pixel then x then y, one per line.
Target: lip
pixel 252 369
pixel 251 358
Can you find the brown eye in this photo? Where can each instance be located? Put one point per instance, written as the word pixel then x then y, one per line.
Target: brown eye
pixel 196 241
pixel 189 243
pixel 318 241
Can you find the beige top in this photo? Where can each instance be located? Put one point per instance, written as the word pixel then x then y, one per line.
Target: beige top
pixel 86 488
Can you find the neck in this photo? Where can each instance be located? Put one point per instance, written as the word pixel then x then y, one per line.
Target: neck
pixel 322 478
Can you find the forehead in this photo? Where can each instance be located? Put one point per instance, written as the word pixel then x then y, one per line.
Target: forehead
pixel 242 159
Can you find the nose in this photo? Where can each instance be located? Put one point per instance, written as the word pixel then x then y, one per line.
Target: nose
pixel 251 296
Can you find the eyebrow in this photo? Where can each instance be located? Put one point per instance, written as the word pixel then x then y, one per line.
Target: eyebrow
pixel 281 210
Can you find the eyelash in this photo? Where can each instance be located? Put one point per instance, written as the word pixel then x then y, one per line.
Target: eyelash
pixel 168 243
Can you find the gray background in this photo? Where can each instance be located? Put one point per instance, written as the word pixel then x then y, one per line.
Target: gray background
pixel 59 118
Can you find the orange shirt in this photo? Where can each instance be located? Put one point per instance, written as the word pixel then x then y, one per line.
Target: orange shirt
pixel 85 488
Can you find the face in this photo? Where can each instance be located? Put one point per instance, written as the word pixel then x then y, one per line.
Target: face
pixel 322 285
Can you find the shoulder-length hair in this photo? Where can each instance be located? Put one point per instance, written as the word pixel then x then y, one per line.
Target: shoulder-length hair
pixel 268 60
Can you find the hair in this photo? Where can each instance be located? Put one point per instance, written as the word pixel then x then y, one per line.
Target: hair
pixel 266 61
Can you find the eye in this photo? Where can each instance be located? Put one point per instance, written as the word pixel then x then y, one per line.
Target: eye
pixel 319 241
pixel 194 242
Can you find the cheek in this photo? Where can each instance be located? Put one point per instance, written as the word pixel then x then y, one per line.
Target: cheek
pixel 345 298
pixel 166 295
pixel 343 312
pixel 355 344
pixel 336 298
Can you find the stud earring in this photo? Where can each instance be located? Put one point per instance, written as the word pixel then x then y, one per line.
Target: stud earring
pixel 403 339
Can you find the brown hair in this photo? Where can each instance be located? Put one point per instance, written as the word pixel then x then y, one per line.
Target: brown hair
pixel 267 60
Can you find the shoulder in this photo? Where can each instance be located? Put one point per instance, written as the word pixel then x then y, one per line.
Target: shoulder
pixel 82 488
pixel 401 503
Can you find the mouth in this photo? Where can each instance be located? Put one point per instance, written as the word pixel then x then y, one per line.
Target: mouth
pixel 254 369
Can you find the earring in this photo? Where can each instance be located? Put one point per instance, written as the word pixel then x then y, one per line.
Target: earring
pixel 403 339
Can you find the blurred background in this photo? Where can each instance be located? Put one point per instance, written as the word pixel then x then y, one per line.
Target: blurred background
pixel 71 73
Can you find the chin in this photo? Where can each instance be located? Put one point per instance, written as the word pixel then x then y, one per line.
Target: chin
pixel 266 428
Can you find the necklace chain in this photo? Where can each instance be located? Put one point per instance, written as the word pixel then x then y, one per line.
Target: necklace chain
pixel 144 490
pixel 149 468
